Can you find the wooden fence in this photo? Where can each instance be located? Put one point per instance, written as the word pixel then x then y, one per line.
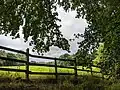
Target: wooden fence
pixel 28 63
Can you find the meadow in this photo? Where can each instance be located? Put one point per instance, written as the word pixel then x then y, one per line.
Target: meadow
pixel 46 82
pixel 42 69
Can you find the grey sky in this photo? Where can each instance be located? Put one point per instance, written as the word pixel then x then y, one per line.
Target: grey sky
pixel 70 25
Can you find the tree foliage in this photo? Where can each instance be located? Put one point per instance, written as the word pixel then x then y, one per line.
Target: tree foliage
pixel 83 58
pixel 99 56
pixel 2 54
pixel 11 56
pixel 103 18
pixel 66 63
pixel 39 20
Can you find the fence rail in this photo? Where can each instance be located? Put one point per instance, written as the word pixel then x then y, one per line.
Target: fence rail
pixel 28 63
pixel 15 70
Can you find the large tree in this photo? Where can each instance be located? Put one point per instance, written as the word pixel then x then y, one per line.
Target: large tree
pixel 39 20
pixel 103 18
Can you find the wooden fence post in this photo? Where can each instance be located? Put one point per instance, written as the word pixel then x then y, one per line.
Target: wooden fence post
pixel 91 68
pixel 27 64
pixel 56 73
pixel 75 68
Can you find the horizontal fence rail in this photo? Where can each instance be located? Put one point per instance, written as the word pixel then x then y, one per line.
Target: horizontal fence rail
pixel 15 70
pixel 13 60
pixel 50 58
pixel 27 63
pixel 9 49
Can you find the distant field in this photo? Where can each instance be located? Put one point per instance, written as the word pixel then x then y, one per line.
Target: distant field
pixel 40 69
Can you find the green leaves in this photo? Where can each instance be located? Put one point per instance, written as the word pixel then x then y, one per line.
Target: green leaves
pixel 66 63
pixel 105 30
pixel 39 19
pixel 103 17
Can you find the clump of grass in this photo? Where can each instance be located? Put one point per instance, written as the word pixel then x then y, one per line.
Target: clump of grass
pixel 64 83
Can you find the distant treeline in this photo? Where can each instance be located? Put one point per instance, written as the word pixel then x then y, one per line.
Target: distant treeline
pixel 64 63
pixel 13 56
pixel 19 56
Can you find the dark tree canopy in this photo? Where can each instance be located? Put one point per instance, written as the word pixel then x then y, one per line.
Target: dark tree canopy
pixel 103 18
pixel 39 18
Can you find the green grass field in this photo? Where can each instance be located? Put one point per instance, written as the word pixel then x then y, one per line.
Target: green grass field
pixel 41 69
pixel 87 82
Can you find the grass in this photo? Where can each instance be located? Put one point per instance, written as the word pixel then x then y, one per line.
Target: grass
pixel 85 81
pixel 42 69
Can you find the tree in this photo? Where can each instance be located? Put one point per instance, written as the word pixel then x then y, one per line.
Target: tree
pixel 100 59
pixel 10 63
pixel 39 20
pixel 66 63
pixel 20 57
pixel 85 59
pixel 11 56
pixel 2 54
pixel 103 18
pixel 99 56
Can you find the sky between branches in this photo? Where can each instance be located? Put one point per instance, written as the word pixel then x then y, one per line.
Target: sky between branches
pixel 70 25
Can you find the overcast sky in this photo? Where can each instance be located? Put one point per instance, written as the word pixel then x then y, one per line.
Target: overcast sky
pixel 70 25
